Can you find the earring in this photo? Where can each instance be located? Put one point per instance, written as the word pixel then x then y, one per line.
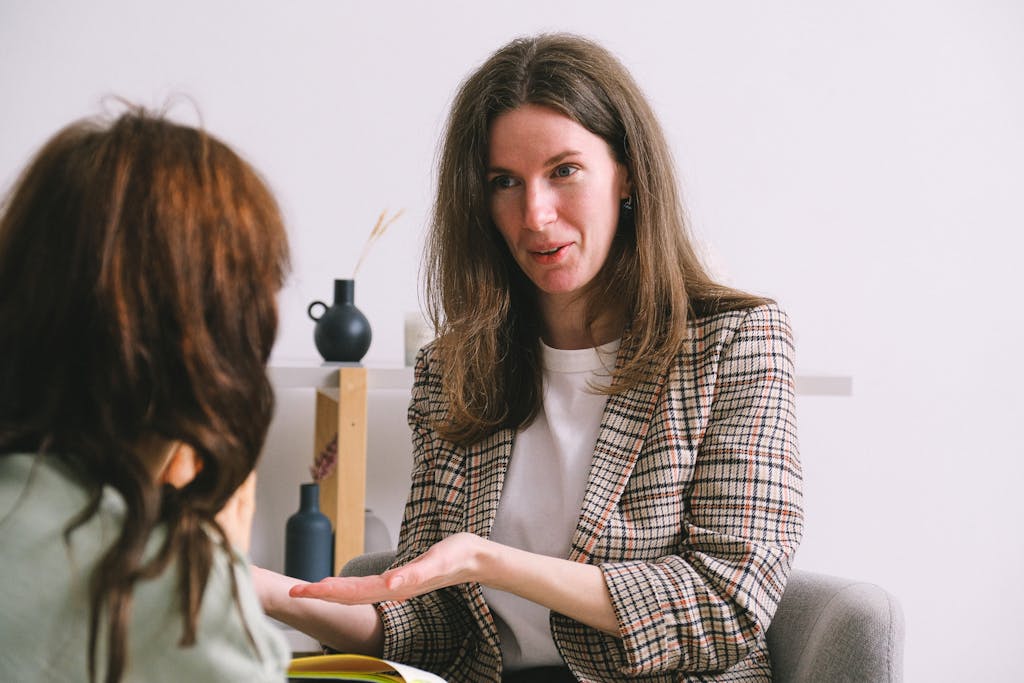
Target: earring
pixel 627 203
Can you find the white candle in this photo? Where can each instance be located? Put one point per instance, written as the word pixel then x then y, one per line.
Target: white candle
pixel 417 333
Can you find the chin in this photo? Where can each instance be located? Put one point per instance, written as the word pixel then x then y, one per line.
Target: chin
pixel 559 289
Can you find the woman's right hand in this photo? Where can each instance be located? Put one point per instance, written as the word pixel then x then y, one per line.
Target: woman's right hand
pixel 575 589
pixel 448 562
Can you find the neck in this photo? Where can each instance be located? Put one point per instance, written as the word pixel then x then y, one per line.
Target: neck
pixel 565 324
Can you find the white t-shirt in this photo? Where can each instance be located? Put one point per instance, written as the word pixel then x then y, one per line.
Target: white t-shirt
pixel 543 490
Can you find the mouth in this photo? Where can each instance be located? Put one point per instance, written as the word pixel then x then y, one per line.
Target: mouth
pixel 549 252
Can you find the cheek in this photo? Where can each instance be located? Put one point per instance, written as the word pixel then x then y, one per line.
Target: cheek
pixel 603 216
pixel 499 216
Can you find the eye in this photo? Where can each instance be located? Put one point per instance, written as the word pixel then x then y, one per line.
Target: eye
pixel 564 171
pixel 502 182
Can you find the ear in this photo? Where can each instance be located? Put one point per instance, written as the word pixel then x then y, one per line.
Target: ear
pixel 181 466
pixel 626 184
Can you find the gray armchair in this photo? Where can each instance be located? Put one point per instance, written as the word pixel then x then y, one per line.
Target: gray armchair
pixel 837 630
pixel 826 629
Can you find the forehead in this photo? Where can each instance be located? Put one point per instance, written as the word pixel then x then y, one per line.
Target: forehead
pixel 531 130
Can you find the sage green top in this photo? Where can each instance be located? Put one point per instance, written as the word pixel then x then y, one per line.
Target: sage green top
pixel 44 618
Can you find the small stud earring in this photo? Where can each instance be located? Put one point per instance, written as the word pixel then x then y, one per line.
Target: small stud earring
pixel 627 203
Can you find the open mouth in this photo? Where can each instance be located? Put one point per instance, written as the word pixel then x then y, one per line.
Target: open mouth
pixel 551 251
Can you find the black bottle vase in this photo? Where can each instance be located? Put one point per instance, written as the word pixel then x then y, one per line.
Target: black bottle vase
pixel 308 542
pixel 342 332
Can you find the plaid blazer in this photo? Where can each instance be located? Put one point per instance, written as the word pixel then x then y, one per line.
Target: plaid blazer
pixel 693 511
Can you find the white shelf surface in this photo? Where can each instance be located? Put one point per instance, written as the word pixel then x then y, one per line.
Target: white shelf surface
pixel 314 374
pixel 824 385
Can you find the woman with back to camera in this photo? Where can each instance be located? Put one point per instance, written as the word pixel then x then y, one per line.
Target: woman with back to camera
pixel 606 483
pixel 139 265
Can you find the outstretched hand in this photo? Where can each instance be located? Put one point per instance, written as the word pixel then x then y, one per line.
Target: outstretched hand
pixel 575 589
pixel 449 562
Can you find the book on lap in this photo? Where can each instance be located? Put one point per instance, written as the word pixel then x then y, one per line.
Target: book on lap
pixel 356 668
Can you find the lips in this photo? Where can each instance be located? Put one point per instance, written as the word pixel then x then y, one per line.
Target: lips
pixel 549 250
pixel 550 254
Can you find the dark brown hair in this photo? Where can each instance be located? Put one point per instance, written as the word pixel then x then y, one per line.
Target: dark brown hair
pixel 139 264
pixel 479 300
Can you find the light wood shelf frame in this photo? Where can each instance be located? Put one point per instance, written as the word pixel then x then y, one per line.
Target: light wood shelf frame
pixel 341 414
pixel 341 409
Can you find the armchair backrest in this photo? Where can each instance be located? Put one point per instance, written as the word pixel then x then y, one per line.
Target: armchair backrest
pixel 832 629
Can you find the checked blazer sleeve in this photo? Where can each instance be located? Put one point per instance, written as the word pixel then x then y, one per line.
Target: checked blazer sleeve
pixel 446 631
pixel 698 510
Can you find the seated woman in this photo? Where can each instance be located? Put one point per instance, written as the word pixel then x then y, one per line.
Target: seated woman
pixel 139 265
pixel 606 480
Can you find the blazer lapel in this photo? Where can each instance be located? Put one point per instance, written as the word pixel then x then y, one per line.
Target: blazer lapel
pixel 486 464
pixel 624 426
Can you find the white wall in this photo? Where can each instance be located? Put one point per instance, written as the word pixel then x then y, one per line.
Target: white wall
pixel 862 162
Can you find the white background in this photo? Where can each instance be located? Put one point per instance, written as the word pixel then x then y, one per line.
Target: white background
pixel 861 162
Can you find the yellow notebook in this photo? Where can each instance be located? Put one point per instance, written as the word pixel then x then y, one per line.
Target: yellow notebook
pixel 356 668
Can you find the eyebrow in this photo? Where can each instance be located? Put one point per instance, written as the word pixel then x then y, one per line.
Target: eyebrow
pixel 561 156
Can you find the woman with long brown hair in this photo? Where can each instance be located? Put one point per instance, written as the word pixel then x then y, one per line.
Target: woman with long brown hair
pixel 139 266
pixel 606 482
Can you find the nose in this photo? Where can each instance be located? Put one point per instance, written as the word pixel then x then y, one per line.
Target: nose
pixel 539 207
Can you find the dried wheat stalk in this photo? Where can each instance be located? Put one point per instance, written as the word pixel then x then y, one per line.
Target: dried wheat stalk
pixel 375 234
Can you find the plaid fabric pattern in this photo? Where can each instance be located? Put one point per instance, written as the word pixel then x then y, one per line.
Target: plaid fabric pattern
pixel 693 511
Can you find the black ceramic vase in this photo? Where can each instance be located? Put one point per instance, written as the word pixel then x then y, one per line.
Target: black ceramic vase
pixel 308 543
pixel 342 331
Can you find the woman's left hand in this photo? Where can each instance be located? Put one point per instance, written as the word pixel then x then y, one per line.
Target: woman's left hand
pixel 449 562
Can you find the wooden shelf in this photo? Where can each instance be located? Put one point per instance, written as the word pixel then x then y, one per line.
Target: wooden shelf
pixel 824 385
pixel 341 390
pixel 298 373
pixel 310 374
pixel 341 400
pixel 341 419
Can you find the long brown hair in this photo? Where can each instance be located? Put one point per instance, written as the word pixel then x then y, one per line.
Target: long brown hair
pixel 139 264
pixel 479 300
